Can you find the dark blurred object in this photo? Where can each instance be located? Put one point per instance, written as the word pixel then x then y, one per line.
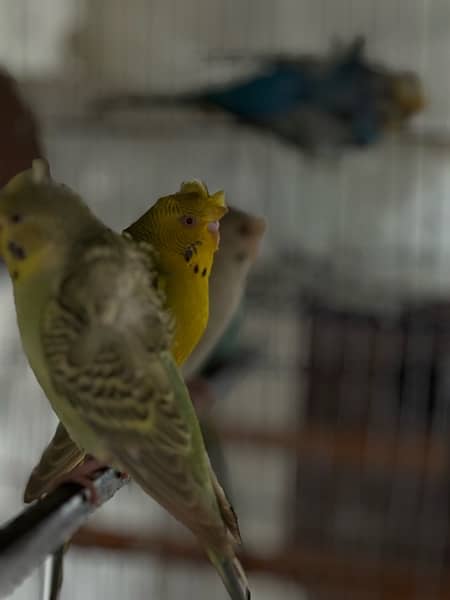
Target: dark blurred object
pixel 227 350
pixel 20 140
pixel 26 540
pixel 375 379
pixel 314 103
pixel 364 369
pixel 55 577
pixel 225 365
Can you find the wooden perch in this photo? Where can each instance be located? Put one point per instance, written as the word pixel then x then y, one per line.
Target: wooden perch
pixel 388 452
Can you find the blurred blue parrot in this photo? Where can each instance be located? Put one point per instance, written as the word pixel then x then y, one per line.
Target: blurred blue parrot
pixel 311 102
pixel 344 89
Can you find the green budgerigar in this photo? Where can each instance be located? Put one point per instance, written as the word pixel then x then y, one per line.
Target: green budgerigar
pixel 97 336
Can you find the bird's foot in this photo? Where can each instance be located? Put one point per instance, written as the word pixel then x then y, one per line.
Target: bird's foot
pixel 83 474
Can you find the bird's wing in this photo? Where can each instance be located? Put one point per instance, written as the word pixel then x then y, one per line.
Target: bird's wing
pixel 61 456
pixel 106 340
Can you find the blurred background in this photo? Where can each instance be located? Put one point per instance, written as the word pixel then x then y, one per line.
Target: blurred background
pixel 329 400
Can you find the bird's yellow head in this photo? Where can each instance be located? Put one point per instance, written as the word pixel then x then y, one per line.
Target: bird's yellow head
pixel 408 91
pixel 37 218
pixel 406 97
pixel 184 227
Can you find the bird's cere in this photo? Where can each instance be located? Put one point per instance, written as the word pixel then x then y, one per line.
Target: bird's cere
pixel 214 226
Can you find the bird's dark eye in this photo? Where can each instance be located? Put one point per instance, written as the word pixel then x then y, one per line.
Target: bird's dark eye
pixel 16 218
pixel 240 256
pixel 245 230
pixel 188 220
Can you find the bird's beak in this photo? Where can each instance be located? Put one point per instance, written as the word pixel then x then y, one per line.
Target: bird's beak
pixel 216 210
pixel 214 228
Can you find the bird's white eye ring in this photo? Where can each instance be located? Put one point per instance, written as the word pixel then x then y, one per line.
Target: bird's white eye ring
pixel 188 220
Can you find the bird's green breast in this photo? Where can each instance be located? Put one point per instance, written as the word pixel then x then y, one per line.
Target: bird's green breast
pixel 31 302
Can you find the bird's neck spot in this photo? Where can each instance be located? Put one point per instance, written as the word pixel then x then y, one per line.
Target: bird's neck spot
pixel 197 259
pixel 23 265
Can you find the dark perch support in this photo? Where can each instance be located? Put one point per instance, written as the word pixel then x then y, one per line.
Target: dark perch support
pixel 26 540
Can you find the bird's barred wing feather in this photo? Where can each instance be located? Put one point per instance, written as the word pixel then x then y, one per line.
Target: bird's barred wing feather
pixel 106 340
pixel 62 454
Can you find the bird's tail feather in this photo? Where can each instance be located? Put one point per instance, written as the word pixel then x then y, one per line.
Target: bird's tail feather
pixel 232 574
pixel 130 101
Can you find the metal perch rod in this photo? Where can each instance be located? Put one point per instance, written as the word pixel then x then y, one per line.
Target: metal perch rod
pixel 29 538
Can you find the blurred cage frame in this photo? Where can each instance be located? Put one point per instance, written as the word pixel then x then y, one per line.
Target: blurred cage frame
pixel 366 443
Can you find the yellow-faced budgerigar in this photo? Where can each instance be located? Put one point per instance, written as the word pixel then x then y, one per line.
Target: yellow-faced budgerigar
pixel 240 239
pixel 183 269
pixel 97 335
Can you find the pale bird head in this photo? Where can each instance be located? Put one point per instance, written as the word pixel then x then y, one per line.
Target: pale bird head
pixel 241 237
